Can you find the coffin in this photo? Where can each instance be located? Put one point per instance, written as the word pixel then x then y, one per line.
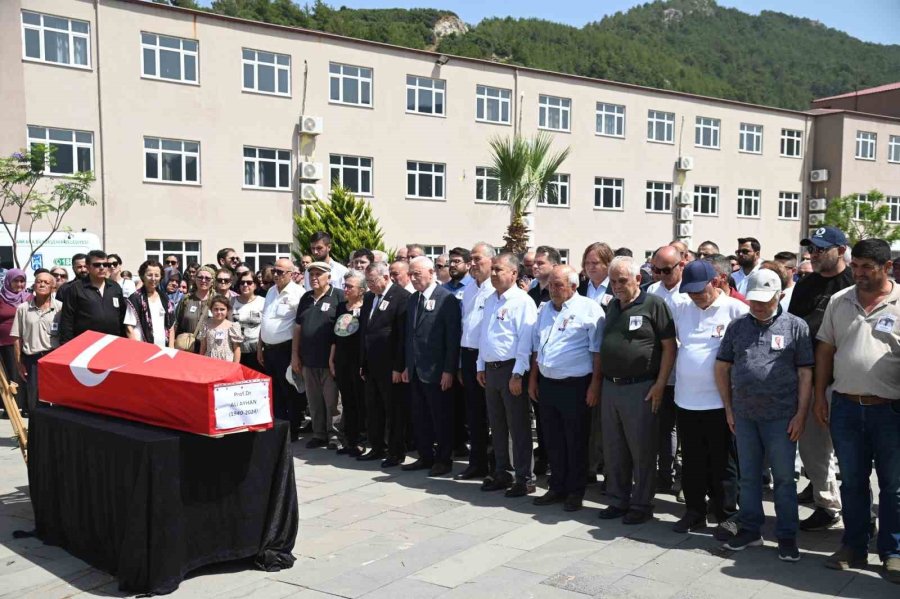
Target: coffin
pixel 163 387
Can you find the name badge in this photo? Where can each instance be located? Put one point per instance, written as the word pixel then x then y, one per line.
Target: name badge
pixel 192 309
pixel 325 306
pixel 541 305
pixel 115 302
pixel 429 305
pixel 383 305
pixel 459 294
pixel 356 312
pixel 501 315
pixel 604 301
pixel 162 312
pixel 886 323
pixel 718 331
pixel 220 335
pixel 54 327
pixel 778 342
pixel 565 323
pixel 635 322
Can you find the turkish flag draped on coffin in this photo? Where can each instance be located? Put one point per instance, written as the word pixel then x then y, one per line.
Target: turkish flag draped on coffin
pixel 163 387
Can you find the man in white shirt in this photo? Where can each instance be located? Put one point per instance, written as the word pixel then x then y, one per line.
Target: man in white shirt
pixel 748 257
pixel 705 437
pixel 504 351
pixel 275 337
pixel 320 248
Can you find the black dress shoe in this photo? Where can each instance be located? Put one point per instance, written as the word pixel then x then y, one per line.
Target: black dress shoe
pixel 332 446
pixel 313 443
pixel 461 452
pixel 355 451
pixel 497 483
pixel 549 498
pixel 306 427
pixel 591 478
pixel 636 517
pixel 690 521
pixel 371 456
pixel 440 469
pixel 391 462
pixel 611 513
pixel 471 472
pixel 540 467
pixel 806 495
pixel 520 489
pixel 344 450
pixel 419 464
pixel 573 503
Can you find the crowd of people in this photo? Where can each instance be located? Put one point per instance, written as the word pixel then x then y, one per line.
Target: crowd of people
pixel 696 374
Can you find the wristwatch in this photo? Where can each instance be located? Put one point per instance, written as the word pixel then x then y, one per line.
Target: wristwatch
pixel 517 377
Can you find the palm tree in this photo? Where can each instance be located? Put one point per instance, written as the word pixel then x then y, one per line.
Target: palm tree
pixel 524 169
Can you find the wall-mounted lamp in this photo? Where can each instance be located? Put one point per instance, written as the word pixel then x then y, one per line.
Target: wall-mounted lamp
pixel 442 60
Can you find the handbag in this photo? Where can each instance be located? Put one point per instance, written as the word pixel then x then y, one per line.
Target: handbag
pixel 188 341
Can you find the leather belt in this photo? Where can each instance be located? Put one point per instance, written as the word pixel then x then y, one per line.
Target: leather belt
pixel 499 365
pixel 867 400
pixel 619 380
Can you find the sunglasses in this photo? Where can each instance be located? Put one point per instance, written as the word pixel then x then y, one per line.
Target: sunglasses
pixel 439 266
pixel 61 275
pixel 814 249
pixel 114 264
pixel 663 271
pixel 744 251
pixel 172 262
pixel 100 265
pixel 243 283
pixel 234 259
pixel 223 281
pixel 278 272
pixel 203 279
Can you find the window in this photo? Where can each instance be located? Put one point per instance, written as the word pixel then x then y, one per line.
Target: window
pixel 893 203
pixel 487 187
pixel 557 193
pixel 352 172
pixel 790 143
pixel 257 255
pixel 266 72
pixel 706 200
pixel 789 205
pixel 659 196
pixel 491 104
pixel 69 152
pixel 553 113
pixel 751 138
pixel 608 193
pixel 171 58
pixel 865 145
pixel 661 126
pixel 706 132
pixel 610 120
pixel 563 256
pixel 185 251
pixel 55 39
pixel 424 95
pixel 433 251
pixel 424 180
pixel 350 85
pixel 265 168
pixel 748 202
pixel 894 148
pixel 861 200
pixel 171 160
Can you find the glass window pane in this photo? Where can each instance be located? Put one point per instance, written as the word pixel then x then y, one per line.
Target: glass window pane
pixel 37 132
pixel 411 99
pixel 366 93
pixel 334 68
pixel 410 184
pixel 148 38
pixel 248 76
pixel 56 22
pixel 189 45
pixel 32 18
pixel 504 116
pixel 81 50
pixel 365 185
pixel 267 248
pixel 351 179
pixel 266 57
pixel 190 68
pixel 270 154
pixel 266 74
pixel 248 54
pixel 169 42
pixel 171 144
pixel 284 155
pixel 365 162
pixel 84 159
pixel 190 166
pixel 32 43
pixel 283 81
pixel 151 142
pixel 439 104
pixel 425 101
pixel 249 173
pixel 438 187
pixel 351 71
pixel 83 137
pixel 267 174
pixel 169 64
pixel 367 73
pixel 149 62
pixel 56 47
pixel 62 159
pixel 425 187
pixel 250 152
pixel 283 59
pixel 335 93
pixel 351 91
pixel 60 135
pixel 171 167
pixel 191 146
pixel 284 175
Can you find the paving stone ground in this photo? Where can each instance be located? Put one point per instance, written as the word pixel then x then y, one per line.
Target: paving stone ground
pixel 366 533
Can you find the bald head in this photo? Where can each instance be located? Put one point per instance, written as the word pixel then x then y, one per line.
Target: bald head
pixel 282 273
pixel 562 284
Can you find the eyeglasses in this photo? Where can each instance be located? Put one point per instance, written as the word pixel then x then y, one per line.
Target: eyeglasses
pixel 203 279
pixel 242 283
pixel 234 259
pixel 61 275
pixel 223 281
pixel 440 266
pixel 172 262
pixel 814 249
pixel 744 251
pixel 114 264
pixel 663 271
pixel 100 265
pixel 278 272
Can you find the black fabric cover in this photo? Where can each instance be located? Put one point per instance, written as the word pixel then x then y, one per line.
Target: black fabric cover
pixel 148 504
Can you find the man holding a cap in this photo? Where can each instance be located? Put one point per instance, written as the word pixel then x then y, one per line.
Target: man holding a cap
pixel 764 376
pixel 700 325
pixel 811 294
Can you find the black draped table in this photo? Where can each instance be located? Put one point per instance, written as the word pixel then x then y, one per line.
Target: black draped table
pixel 148 504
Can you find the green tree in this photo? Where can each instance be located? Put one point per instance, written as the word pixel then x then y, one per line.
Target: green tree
pixel 348 219
pixel 22 181
pixel 524 169
pixel 862 217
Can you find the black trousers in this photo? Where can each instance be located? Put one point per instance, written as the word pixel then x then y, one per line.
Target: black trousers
pixel 8 360
pixel 353 398
pixel 668 440
pixel 566 422
pixel 386 414
pixel 31 385
pixel 476 410
pixel 249 360
pixel 706 443
pixel 287 401
pixel 540 452
pixel 432 411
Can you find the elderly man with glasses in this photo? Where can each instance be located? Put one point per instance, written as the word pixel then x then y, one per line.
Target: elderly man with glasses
pixel 94 303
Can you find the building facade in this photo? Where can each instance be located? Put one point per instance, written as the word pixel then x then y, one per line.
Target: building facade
pixel 206 132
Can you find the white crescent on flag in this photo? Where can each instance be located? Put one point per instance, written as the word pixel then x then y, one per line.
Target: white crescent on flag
pixel 79 366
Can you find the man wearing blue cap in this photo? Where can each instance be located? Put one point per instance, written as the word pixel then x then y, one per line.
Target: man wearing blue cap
pixel 826 253
pixel 700 325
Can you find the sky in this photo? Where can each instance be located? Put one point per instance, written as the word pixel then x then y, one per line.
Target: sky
pixel 869 20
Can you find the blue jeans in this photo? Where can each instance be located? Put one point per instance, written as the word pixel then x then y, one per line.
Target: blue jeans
pixel 756 440
pixel 860 435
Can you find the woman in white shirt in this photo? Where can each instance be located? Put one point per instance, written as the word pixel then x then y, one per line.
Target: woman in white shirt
pixel 150 315
pixel 247 309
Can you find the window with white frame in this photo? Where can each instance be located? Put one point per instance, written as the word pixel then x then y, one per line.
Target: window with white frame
pixel 352 172
pixel 492 104
pixel 425 180
pixel 661 126
pixel 349 84
pixel 865 145
pixel 861 200
pixel 67 151
pixel 55 39
pixel 748 202
pixel 789 205
pixel 609 193
pixel 706 200
pixel 563 255
pixel 487 187
pixel 259 254
pixel 894 148
pixel 266 72
pixel 610 120
pixel 433 251
pixel 750 139
pixel 267 168
pixel 553 113
pixel 185 251
pixel 171 160
pixel 170 58
pixel 659 196
pixel 557 193
pixel 706 132
pixel 425 95
pixel 893 203
pixel 791 140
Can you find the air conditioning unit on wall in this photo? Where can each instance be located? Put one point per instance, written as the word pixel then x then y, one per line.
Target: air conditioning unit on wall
pixel 816 219
pixel 685 229
pixel 818 204
pixel 311 125
pixel 684 213
pixel 818 176
pixel 685 163
pixel 310 170
pixel 311 192
pixel 683 198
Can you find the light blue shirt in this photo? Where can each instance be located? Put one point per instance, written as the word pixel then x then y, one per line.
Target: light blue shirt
pixel 597 293
pixel 564 340
pixel 472 310
pixel 506 329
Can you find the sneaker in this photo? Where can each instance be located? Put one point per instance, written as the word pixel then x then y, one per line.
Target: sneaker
pixel 725 530
pixel 742 540
pixel 787 550
pixel 820 520
pixel 806 495
pixel 892 569
pixel 846 558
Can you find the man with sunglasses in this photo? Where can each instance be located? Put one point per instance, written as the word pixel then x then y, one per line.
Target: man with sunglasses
pixel 228 258
pixel 748 258
pixel 172 262
pixel 93 303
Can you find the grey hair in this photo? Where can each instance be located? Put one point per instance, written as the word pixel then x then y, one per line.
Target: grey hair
pixel 424 261
pixel 445 256
pixel 359 277
pixel 721 263
pixel 378 268
pixel 626 262
pixel 510 258
pixel 571 275
pixel 491 250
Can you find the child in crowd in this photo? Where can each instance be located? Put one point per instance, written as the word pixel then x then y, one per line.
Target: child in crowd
pixel 220 337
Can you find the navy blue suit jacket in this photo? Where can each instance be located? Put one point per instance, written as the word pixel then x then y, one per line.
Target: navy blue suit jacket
pixel 432 336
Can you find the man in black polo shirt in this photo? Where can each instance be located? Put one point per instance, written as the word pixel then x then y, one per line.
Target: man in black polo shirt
pixel 93 303
pixel 313 336
pixel 637 355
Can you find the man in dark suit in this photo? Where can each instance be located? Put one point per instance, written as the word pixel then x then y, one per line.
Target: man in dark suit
pixel 433 330
pixel 382 323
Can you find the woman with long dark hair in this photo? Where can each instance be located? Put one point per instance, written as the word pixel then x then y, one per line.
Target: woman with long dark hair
pixel 150 315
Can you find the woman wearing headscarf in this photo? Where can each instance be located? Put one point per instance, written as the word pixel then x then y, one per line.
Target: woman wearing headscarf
pixel 172 285
pixel 12 294
pixel 193 310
